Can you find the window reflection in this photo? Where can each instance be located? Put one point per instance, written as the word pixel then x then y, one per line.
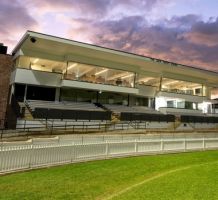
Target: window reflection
pixel 93 74
pixel 148 81
pixel 79 71
pixel 41 64
pixel 181 87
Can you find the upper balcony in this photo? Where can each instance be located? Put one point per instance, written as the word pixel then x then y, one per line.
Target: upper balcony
pixel 71 74
pixel 74 74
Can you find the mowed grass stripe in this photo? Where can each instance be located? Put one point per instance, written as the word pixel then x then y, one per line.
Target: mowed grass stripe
pixel 157 176
pixel 195 183
pixel 97 179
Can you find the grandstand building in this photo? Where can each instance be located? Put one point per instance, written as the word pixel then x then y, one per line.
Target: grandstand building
pixel 59 79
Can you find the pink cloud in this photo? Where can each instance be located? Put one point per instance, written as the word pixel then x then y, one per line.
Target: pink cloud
pixel 134 34
pixel 205 33
pixel 14 21
pixel 183 39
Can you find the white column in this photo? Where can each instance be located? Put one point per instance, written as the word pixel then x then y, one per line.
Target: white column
pixel 57 94
pixel 11 92
pixel 25 93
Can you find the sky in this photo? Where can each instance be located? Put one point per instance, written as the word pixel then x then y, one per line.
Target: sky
pixel 181 31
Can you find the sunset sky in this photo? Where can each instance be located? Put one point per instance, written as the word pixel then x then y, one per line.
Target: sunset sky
pixel 182 31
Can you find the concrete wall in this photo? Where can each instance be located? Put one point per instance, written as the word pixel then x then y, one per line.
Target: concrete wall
pixel 32 77
pixel 147 91
pixel 5 72
pixel 99 87
pixel 191 98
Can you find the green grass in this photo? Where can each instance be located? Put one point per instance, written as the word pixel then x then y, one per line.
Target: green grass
pixel 191 176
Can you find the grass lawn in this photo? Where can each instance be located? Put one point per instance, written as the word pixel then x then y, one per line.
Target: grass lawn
pixel 184 176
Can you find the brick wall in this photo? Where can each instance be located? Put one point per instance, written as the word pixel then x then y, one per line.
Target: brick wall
pixel 5 72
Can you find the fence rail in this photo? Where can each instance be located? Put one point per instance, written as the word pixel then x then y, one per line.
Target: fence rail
pixel 96 126
pixel 50 127
pixel 30 155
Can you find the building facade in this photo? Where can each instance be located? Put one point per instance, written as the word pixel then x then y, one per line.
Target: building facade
pixel 5 73
pixel 49 68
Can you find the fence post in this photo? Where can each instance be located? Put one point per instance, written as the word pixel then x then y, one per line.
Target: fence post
pixel 136 146
pixel 24 125
pixel 185 144
pixel 74 152
pixel 106 148
pixel 31 153
pixel 203 143
pixel 161 144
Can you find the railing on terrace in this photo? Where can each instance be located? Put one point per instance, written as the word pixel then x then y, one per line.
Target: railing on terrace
pixel 50 128
pixel 177 91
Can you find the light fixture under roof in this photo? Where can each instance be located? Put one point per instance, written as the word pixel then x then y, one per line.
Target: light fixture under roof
pixel 127 76
pixel 72 66
pixel 170 82
pixel 35 61
pixel 102 71
pixel 145 79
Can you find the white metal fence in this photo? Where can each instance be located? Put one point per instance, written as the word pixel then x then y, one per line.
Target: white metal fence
pixel 33 155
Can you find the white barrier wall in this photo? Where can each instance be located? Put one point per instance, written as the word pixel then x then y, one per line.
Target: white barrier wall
pixel 39 125
pixel 30 155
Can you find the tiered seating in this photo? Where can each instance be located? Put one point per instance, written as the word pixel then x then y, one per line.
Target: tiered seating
pixel 143 109
pixel 32 104
pixel 130 109
pixel 119 108
pixel 181 111
pixel 67 110
pixel 139 113
pixel 146 117
pixel 198 119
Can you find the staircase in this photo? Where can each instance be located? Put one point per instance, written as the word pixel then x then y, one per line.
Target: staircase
pixel 27 113
pixel 114 116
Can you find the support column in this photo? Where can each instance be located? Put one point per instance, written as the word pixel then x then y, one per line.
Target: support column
pixel 12 88
pixel 160 86
pixel 57 94
pixel 25 93
pixel 149 102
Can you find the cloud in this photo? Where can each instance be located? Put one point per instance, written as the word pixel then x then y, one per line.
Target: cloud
pixel 135 34
pixel 182 22
pixel 120 24
pixel 94 8
pixel 14 21
pixel 39 15
pixel 205 33
pixel 140 4
pixel 84 7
